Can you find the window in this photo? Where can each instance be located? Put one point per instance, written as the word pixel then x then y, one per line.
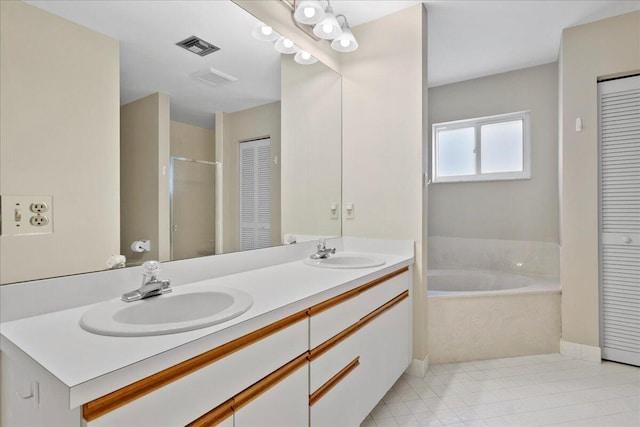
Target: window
pixel 484 149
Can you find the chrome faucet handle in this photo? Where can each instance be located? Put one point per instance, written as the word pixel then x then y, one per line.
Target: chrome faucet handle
pixel 323 244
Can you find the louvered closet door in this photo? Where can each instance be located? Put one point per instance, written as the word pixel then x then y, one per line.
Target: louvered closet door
pixel 620 219
pixel 255 194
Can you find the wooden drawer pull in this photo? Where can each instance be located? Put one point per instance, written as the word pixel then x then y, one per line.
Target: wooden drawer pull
pixel 215 416
pixel 324 389
pixel 341 336
pixel 325 305
pixel 222 412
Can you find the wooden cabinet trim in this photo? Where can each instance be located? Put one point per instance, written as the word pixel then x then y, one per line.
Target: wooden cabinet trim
pixel 341 336
pixel 222 412
pixel 109 402
pixel 325 305
pixel 215 416
pixel 246 396
pixel 333 381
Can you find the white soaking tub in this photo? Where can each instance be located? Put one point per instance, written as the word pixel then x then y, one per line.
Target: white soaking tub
pixel 484 314
pixel 475 282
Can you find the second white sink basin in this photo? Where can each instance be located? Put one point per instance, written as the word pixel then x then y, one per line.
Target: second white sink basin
pixel 185 309
pixel 346 260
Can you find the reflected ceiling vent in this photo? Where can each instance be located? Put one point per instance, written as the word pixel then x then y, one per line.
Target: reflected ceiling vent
pixel 214 77
pixel 198 46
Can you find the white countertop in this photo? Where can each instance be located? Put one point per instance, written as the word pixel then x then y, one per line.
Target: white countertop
pixel 92 365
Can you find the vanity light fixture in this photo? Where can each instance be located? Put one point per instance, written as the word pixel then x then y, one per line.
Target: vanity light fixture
pixel 328 28
pixel 309 12
pixel 345 42
pixel 284 45
pixel 264 32
pixel 305 58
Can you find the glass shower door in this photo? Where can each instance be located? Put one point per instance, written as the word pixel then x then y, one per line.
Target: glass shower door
pixel 192 208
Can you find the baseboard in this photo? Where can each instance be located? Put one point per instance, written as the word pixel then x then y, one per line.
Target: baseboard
pixel 418 368
pixel 580 351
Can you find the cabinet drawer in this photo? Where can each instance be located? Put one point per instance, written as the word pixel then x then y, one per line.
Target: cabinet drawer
pixel 333 316
pixel 324 367
pixel 209 386
pixel 284 405
pixel 336 405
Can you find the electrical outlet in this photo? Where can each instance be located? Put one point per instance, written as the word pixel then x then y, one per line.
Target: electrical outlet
pixel 39 207
pixel 39 220
pixel 25 215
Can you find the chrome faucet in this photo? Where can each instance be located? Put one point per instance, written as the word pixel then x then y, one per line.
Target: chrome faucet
pixel 151 286
pixel 323 251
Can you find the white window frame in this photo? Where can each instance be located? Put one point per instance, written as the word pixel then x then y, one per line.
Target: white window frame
pixel 476 123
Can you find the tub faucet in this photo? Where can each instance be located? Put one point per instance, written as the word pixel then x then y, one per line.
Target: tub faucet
pixel 151 286
pixel 323 251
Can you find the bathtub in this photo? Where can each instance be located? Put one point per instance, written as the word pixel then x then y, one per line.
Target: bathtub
pixel 484 314
pixel 477 282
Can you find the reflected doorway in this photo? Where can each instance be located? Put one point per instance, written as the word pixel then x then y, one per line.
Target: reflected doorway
pixel 255 194
pixel 192 208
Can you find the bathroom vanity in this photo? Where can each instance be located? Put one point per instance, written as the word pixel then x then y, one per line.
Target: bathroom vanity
pixel 318 347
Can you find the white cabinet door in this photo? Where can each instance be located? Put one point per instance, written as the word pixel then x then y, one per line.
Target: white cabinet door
pixel 284 405
pixel 384 356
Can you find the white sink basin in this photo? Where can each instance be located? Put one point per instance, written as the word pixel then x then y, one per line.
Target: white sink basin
pixel 182 310
pixel 346 260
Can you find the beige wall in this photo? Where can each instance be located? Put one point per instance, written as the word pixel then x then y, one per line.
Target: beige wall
pixel 144 173
pixel 192 142
pixel 311 148
pixel 510 210
pixel 51 143
pixel 602 48
pixel 383 86
pixel 240 126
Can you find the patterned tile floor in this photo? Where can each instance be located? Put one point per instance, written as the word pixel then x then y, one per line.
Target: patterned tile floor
pixel 519 391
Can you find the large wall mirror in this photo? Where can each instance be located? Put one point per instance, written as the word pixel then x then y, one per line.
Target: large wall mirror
pixel 219 152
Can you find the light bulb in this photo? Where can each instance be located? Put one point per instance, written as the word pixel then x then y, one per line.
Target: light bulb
pixel 305 55
pixel 309 12
pixel 344 43
pixel 327 28
pixel 266 30
pixel 287 43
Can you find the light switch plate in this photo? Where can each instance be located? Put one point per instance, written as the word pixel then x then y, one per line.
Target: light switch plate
pixel 26 215
pixel 348 211
pixel 333 210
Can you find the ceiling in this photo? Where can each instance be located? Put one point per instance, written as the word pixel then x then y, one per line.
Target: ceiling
pixel 471 39
pixel 151 62
pixel 467 39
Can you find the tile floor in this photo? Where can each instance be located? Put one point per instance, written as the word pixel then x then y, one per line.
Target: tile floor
pixel 519 391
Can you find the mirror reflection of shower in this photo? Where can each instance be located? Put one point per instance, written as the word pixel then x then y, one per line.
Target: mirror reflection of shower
pixel 193 203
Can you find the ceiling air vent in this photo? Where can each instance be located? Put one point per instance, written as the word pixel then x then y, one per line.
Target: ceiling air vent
pixel 198 46
pixel 214 77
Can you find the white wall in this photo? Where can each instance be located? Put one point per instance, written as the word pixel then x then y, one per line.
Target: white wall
pixel 510 210
pixel 599 49
pixel 53 143
pixel 383 84
pixel 311 148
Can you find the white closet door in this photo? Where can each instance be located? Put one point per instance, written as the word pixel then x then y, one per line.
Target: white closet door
pixel 620 219
pixel 255 194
